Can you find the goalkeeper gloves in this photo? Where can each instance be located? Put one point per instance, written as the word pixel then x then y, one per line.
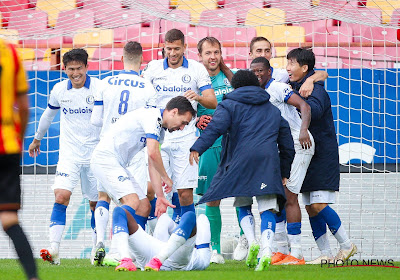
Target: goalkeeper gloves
pixel 203 121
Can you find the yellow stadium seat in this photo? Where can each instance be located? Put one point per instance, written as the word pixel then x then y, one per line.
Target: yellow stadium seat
pixel 387 7
pixel 196 7
pixel 267 16
pixel 54 7
pixel 11 35
pixel 278 62
pixel 94 37
pixel 26 54
pixel 283 33
pixel 281 51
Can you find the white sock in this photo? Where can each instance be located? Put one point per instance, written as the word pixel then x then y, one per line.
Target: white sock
pixel 94 238
pixel 295 246
pixel 56 232
pixel 174 242
pixel 203 234
pixel 267 236
pixel 152 224
pixel 323 245
pixel 138 244
pixel 121 239
pixel 101 215
pixel 281 238
pixel 163 229
pixel 343 239
pixel 113 246
pixel 247 224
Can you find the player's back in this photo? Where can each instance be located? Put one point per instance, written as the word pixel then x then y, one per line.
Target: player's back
pixel 123 93
pixel 279 94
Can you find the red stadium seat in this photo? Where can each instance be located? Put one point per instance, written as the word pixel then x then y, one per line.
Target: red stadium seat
pixel 99 65
pixel 389 53
pixel 28 22
pixel 311 27
pixel 137 33
pixel 379 34
pixel 231 53
pixel 363 53
pixel 323 62
pixel 8 6
pixel 182 15
pixel 243 7
pixel 81 19
pixel 223 17
pixel 334 34
pixel 395 19
pixel 108 54
pixel 234 34
pixel 373 15
pixel 192 34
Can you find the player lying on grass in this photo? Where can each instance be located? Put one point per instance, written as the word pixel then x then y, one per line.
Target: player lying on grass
pixel 251 164
pixel 283 97
pixel 133 131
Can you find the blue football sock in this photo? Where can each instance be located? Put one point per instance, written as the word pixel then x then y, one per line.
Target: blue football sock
pixel 294 228
pixel 331 218
pixel 188 208
pixel 92 221
pixel 120 221
pixel 186 225
pixel 153 209
pixel 244 211
pixel 58 215
pixel 176 216
pixel 102 203
pixel 281 217
pixel 267 221
pixel 318 226
pixel 139 219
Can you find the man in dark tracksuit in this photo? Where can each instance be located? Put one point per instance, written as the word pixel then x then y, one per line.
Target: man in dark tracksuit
pixel 323 175
pixel 251 164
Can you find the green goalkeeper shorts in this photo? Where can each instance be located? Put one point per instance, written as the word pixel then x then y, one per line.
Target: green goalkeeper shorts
pixel 208 165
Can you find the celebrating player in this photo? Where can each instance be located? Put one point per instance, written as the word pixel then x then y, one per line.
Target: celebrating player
pixel 130 134
pixel 323 175
pixel 282 96
pixel 120 94
pixel 252 130
pixel 175 75
pixel 78 138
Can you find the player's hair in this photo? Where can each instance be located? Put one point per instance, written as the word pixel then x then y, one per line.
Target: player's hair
pixel 133 52
pixel 78 55
pixel 182 104
pixel 244 78
pixel 174 35
pixel 211 40
pixel 303 57
pixel 258 39
pixel 262 60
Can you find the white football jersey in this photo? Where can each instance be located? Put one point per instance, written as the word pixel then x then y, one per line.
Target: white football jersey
pixel 128 136
pixel 169 83
pixel 279 94
pixel 123 93
pixel 78 137
pixel 280 75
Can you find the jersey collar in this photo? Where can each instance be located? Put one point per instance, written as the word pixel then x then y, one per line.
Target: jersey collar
pixel 131 72
pixel 86 85
pixel 184 64
pixel 269 83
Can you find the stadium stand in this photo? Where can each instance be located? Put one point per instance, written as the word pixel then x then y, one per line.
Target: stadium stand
pixel 196 7
pixel 54 7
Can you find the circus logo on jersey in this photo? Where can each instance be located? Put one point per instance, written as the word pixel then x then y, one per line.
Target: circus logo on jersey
pixel 122 178
pixel 186 78
pixel 226 82
pixel 90 99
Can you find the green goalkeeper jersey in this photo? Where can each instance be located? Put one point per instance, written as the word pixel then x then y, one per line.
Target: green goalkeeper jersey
pixel 221 87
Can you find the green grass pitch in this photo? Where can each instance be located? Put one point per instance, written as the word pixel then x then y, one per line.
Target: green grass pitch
pixel 82 269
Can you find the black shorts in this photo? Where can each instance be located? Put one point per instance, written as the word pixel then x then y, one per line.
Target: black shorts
pixel 10 188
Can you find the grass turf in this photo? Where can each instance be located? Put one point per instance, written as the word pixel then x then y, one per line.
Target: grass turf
pixel 82 269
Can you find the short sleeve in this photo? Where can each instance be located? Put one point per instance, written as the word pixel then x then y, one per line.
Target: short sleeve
pixel 203 78
pixel 287 92
pixel 98 94
pixel 151 95
pixel 152 123
pixel 146 73
pixel 53 101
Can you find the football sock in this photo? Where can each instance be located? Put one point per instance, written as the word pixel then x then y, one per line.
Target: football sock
pixel 318 227
pixel 281 238
pixel 140 220
pixel 164 228
pixel 188 208
pixel 57 225
pixel 294 236
pixel 176 216
pixel 23 249
pixel 121 233
pixel 179 236
pixel 267 232
pixel 247 223
pixel 237 216
pixel 93 226
pixel 152 219
pixel 203 234
pixel 101 217
pixel 214 216
pixel 332 219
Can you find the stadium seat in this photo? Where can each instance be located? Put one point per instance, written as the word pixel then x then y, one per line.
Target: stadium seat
pixel 108 54
pixel 387 7
pixel 369 16
pixel 271 16
pixel 333 34
pixel 94 37
pixel 138 33
pixel 99 65
pixel 54 7
pixel 323 62
pixel 196 7
pixel 182 15
pixel 8 6
pixel 319 51
pixel 37 65
pixel 81 19
pixel 232 53
pixel 311 27
pixel 224 17
pixel 234 34
pixel 389 53
pixel 283 33
pixel 192 34
pixel 278 62
pixel 192 53
pixel 395 19
pixel 380 34
pixel 109 15
pixel 26 53
pixel 242 7
pixel 28 22
pixel 11 35
pixel 361 53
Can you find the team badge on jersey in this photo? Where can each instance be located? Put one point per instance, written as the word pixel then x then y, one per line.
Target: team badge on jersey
pixel 90 99
pixel 226 82
pixel 186 78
